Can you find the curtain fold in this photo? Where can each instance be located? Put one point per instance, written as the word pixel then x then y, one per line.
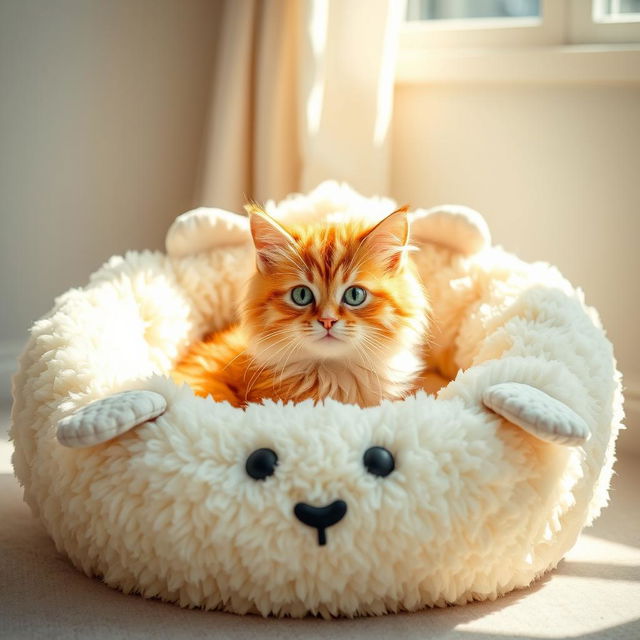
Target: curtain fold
pixel 302 92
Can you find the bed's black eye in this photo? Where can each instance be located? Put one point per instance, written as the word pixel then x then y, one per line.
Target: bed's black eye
pixel 261 464
pixel 378 461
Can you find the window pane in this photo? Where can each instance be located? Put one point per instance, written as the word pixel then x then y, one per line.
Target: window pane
pixel 614 8
pixel 466 9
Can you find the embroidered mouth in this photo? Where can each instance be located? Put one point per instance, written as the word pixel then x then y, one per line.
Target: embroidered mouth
pixel 320 518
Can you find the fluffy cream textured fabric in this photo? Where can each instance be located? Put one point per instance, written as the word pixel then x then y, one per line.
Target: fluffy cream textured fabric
pixel 475 507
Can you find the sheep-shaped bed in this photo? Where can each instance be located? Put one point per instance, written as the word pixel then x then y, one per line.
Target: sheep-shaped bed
pixel 328 509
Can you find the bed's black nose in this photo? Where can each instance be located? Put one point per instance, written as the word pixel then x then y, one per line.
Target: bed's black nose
pixel 320 517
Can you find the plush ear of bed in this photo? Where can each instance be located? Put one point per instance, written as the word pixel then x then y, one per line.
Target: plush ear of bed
pixel 476 505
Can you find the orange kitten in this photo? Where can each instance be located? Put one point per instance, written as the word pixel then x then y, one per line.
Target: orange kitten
pixel 333 310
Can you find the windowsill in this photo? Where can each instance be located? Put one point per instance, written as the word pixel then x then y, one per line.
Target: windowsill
pixel 572 64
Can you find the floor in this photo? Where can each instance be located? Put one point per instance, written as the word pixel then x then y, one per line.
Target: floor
pixel 595 592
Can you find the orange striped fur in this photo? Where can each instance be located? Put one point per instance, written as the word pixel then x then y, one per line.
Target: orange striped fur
pixel 281 350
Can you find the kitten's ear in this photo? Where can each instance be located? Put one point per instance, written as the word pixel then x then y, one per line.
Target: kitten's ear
pixel 269 237
pixel 389 238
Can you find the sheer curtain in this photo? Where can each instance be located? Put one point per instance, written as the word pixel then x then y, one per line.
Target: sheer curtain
pixel 303 92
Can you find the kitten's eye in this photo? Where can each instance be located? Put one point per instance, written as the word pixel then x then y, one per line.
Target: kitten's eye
pixel 378 461
pixel 261 464
pixel 302 296
pixel 354 296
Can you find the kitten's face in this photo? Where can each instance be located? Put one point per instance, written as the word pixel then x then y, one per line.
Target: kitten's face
pixel 333 291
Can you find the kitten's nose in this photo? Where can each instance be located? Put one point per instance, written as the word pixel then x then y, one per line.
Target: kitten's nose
pixel 327 323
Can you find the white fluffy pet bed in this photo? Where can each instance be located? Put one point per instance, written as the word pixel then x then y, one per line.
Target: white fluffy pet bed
pixel 475 507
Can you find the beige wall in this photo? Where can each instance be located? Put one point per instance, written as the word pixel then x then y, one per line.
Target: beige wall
pixel 555 171
pixel 102 111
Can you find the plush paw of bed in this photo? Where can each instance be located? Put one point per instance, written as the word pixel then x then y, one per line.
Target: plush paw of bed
pixel 537 413
pixel 109 417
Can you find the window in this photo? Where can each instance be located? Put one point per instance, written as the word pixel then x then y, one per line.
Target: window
pixel 470 23
pixel 520 41
pixel 466 9
pixel 617 10
pixel 483 23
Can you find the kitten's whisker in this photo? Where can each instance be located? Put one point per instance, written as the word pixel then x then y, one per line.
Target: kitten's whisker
pixel 253 380
pixel 234 358
pixel 373 370
pixel 296 346
pixel 289 348
pixel 285 335
pixel 253 359
pixel 256 375
pixel 370 343
pixel 289 353
pixel 273 334
pixel 375 346
pixel 364 363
